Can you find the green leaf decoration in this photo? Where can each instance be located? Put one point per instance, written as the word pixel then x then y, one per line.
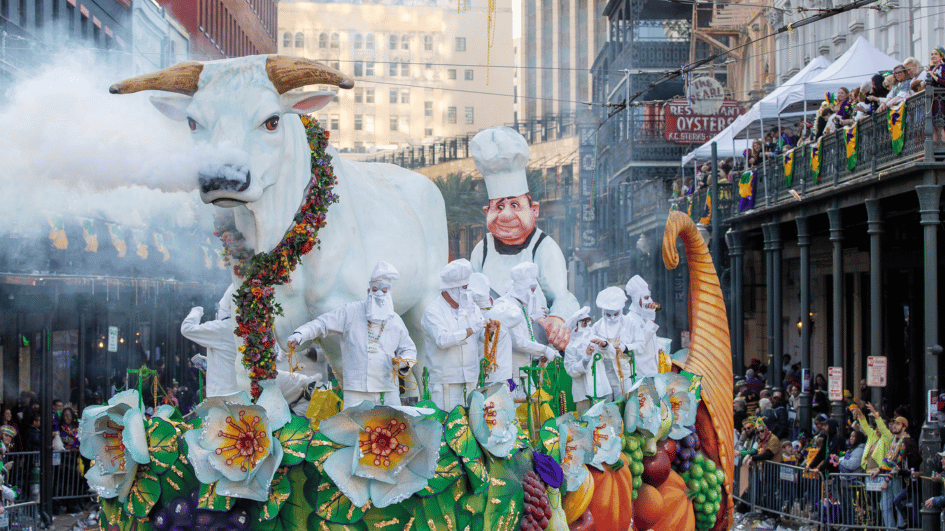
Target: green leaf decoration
pixel 319 449
pixel 177 481
pixel 162 445
pixel 295 438
pixel 469 511
pixel 437 414
pixel 211 501
pixel 550 439
pixel 437 513
pixel 334 506
pixel 448 470
pixel 522 442
pixel 114 515
pixel 279 491
pixel 297 510
pixel 392 518
pixel 477 474
pixel 505 498
pixel 459 436
pixel 144 493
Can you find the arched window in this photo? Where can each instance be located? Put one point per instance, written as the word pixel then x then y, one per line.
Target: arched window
pixel 393 42
pixel 358 41
pixel 335 41
pixel 299 40
pixel 369 42
pixel 287 40
pixel 323 40
pixel 405 42
pixel 428 43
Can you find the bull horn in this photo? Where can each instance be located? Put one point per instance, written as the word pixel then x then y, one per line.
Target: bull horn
pixel 181 78
pixel 287 73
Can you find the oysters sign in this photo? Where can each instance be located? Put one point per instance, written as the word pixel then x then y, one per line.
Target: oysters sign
pixel 693 124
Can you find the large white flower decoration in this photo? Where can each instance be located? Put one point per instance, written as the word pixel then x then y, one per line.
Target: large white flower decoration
pixel 235 447
pixel 114 437
pixel 606 426
pixel 576 442
pixel 642 410
pixel 682 403
pixel 389 452
pixel 492 418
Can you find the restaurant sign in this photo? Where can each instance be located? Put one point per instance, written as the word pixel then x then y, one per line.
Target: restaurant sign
pixel 685 126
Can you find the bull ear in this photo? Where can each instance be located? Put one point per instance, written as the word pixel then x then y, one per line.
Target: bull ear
pixel 174 107
pixel 305 102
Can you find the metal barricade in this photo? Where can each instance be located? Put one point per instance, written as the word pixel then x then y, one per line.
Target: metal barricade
pixel 858 501
pixel 21 517
pixel 21 476
pixel 69 484
pixel 789 491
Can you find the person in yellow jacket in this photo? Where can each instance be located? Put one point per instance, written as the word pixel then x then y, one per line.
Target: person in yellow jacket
pixel 877 440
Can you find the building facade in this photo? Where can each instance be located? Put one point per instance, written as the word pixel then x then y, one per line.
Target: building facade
pixel 158 39
pixel 559 41
pixel 417 68
pixel 223 28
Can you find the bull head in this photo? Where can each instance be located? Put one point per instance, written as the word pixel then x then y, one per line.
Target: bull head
pixel 235 109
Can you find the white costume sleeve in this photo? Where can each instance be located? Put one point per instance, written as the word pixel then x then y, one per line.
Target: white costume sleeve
pixel 521 342
pixel 633 329
pixel 440 329
pixel 407 349
pixel 576 360
pixel 333 322
pixel 212 334
pixel 553 278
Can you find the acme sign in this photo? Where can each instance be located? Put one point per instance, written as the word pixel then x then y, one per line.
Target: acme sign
pixel 685 126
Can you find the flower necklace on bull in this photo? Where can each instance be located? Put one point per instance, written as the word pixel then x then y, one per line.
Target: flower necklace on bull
pixel 255 298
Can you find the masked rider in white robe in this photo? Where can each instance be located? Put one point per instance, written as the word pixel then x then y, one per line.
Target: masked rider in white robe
pixel 586 382
pixel 524 295
pixel 452 325
pixel 611 328
pixel 640 318
pixel 375 347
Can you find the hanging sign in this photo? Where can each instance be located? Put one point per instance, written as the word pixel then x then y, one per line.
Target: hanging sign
pixel 686 125
pixel 113 339
pixel 835 383
pixel 876 371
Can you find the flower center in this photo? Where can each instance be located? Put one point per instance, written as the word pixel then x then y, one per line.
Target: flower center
pixel 116 450
pixel 600 437
pixel 489 415
pixel 381 444
pixel 249 441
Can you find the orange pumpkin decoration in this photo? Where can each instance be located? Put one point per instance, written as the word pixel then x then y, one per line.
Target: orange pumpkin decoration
pixel 647 508
pixel 678 514
pixel 612 502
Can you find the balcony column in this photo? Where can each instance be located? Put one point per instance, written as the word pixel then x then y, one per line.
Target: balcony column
pixel 774 365
pixel 803 243
pixel 874 222
pixel 836 236
pixel 736 252
pixel 930 440
pixel 769 290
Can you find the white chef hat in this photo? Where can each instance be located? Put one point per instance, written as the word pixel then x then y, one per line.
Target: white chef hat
pixel 384 272
pixel 637 287
pixel 223 307
pixel 455 274
pixel 478 286
pixel 524 274
pixel 583 313
pixel 611 298
pixel 501 155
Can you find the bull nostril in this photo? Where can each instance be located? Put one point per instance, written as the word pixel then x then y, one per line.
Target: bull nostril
pixel 227 177
pixel 249 179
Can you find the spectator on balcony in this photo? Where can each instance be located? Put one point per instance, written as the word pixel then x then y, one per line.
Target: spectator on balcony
pixel 877 94
pixel 899 91
pixel 862 107
pixel 770 144
pixel 915 70
pixel 823 120
pixel 754 156
pixel 936 79
pixel 844 108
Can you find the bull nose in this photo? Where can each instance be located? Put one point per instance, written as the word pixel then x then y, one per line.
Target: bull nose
pixel 226 177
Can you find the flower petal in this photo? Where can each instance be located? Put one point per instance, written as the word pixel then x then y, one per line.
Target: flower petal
pixel 134 436
pixel 128 397
pixel 430 433
pixel 215 425
pixel 277 409
pixel 342 428
pixel 126 483
pixel 105 484
pixel 200 458
pixel 256 486
pixel 338 468
pixel 240 398
pixel 384 494
pixel 164 412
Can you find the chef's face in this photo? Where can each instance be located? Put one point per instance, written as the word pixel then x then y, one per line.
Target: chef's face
pixel 511 219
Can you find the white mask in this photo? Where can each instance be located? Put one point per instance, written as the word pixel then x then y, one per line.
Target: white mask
pixel 380 305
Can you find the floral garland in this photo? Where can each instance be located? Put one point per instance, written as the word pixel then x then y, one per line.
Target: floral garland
pixel 255 298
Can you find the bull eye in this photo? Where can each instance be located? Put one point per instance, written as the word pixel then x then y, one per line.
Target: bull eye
pixel 272 123
pixel 192 123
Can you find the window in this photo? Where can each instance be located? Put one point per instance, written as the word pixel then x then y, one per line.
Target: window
pixel 358 68
pixel 451 115
pixel 334 64
pixel 335 41
pixel 468 75
pixel 323 120
pixel 428 108
pixel 358 41
pixel 393 95
pixel 393 123
pixel 393 42
pixel 358 122
pixel 405 96
pixel 451 73
pixel 323 40
pixel 369 42
pixel 358 95
pixel 369 95
pixel 405 42
pixel 392 69
pixel 428 132
pixel 428 43
pixel 359 147
pixel 405 123
pixel 369 123
pixel 404 70
pixel 460 44
pixel 369 68
pixel 470 117
pixel 299 40
pixel 287 40
pixel 334 122
pixel 428 66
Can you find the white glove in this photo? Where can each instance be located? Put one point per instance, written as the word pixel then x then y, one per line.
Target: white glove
pixel 477 326
pixel 402 366
pixel 550 354
pixel 296 336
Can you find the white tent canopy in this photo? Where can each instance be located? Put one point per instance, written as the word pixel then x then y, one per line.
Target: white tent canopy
pixel 726 147
pixel 858 64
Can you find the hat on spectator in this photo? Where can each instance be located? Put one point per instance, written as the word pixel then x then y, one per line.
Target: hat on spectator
pixel 901 420
pixel 8 430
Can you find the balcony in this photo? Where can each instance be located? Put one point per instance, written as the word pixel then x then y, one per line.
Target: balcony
pixel 875 160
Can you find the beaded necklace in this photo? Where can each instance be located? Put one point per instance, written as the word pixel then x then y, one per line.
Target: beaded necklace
pixel 528 321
